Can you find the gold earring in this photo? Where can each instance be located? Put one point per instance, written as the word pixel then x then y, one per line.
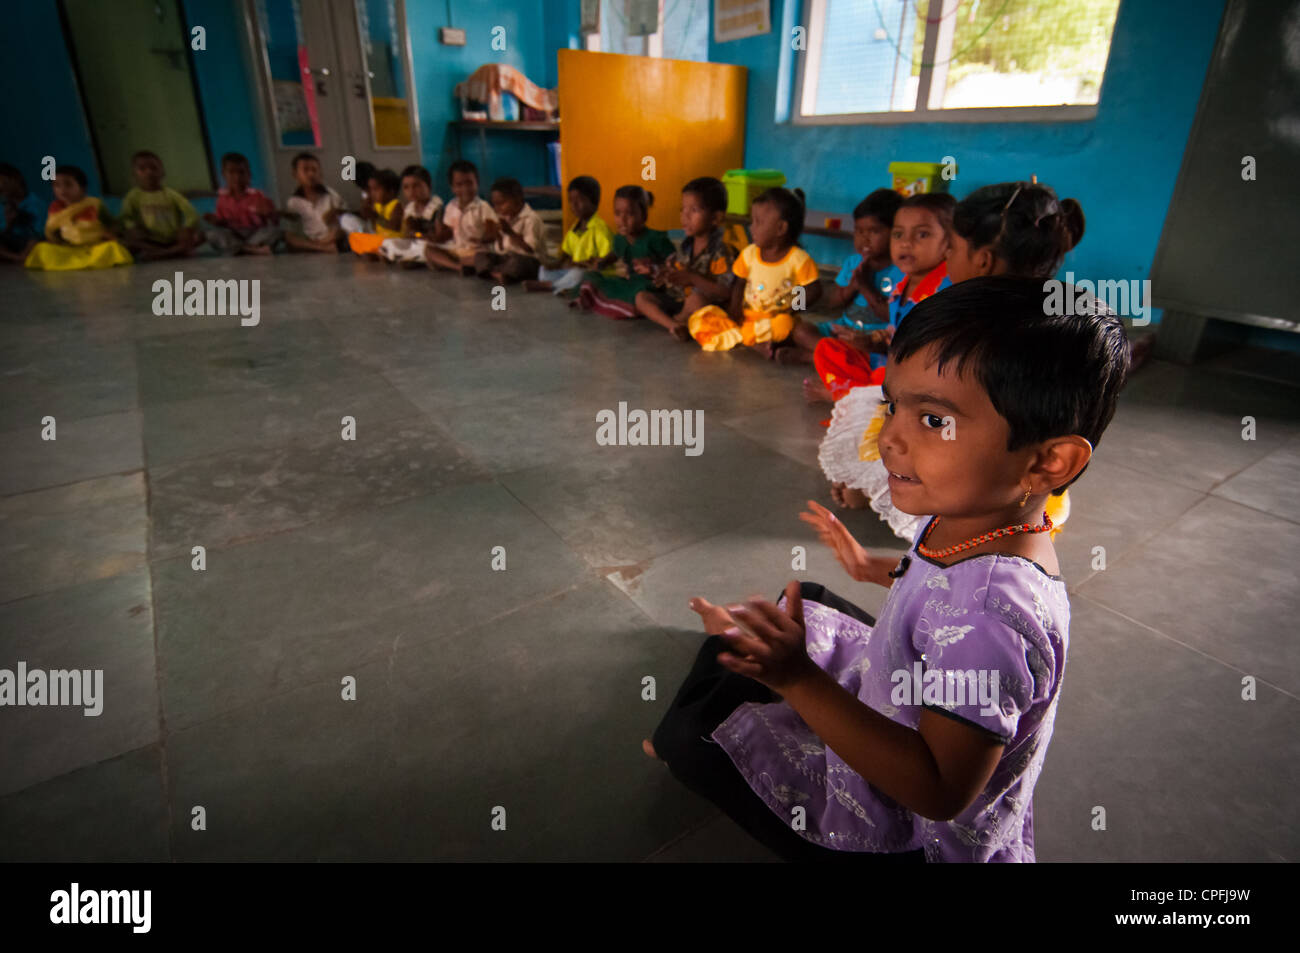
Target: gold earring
pixel 1024 499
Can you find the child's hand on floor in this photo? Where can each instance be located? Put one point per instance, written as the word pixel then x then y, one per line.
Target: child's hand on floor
pixel 836 535
pixel 767 644
pixel 642 266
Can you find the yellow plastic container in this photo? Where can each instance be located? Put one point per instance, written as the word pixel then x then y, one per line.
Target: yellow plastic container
pixel 745 185
pixel 915 178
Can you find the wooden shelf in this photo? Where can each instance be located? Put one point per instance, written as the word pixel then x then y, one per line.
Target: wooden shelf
pixel 808 228
pixel 505 124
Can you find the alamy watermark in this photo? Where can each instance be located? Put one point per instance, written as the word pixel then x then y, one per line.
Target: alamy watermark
pixel 1129 298
pixel 216 296
pixel 946 689
pixel 57 687
pixel 653 428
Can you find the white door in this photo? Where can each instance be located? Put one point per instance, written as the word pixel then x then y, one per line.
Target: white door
pixel 336 77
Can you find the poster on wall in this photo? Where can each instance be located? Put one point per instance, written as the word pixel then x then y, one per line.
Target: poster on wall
pixel 738 19
pixel 589 17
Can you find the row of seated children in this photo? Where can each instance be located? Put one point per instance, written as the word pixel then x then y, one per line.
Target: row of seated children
pixel 77 231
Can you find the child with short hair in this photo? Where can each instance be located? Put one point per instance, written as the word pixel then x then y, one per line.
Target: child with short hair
pixel 860 721
pixel 637 251
pixel 699 274
pixel 918 245
pixel 863 285
pixel 587 246
pixel 245 221
pixel 78 230
pixel 1016 228
pixel 418 215
pixel 159 222
pixel 773 272
pixel 463 230
pixel 317 208
pixel 517 250
pixel 382 214
pixel 22 216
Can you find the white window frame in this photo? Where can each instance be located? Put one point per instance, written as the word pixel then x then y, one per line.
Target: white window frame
pixel 813 17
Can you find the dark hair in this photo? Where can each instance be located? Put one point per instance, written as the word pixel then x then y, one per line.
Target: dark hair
pixel 880 205
pixel 587 187
pixel 710 191
pixel 790 206
pixel 641 198
pixel 1028 227
pixel 145 154
pixel 386 178
pixel 234 158
pixel 939 204
pixel 11 171
pixel 508 187
pixel 1047 374
pixel 462 165
pixel 78 175
pixel 302 157
pixel 418 172
pixel 365 172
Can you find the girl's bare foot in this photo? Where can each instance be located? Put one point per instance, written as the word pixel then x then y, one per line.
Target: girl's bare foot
pixel 648 748
pixel 715 618
pixel 837 494
pixel 793 355
pixel 680 332
pixel 815 392
pixel 533 284
pixel 257 250
pixel 764 349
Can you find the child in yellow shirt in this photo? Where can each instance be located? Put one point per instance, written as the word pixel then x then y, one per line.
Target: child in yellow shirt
pixel 777 277
pixel 588 246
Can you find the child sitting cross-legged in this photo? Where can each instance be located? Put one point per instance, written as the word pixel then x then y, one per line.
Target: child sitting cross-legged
pixel 777 278
pixel 918 736
pixel 464 229
pixel 638 250
pixel 381 212
pixel 699 274
pixel 863 286
pixel 245 220
pixel 588 245
pixel 520 244
pixel 78 229
pixel 418 217
pixel 22 216
pixel 317 208
pixel 159 222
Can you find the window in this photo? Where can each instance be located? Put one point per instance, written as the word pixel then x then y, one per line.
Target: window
pixel 952 60
pixel 683 29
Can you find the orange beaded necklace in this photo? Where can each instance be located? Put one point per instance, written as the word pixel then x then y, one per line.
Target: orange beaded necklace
pixel 970 543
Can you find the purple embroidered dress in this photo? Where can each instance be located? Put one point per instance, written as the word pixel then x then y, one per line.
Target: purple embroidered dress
pixel 983 641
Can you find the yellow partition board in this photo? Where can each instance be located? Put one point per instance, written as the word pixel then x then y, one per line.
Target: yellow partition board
pixel 618 111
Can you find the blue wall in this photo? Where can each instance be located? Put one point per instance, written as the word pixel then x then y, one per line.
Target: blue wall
pixel 41 112
pixel 1121 166
pixel 530 33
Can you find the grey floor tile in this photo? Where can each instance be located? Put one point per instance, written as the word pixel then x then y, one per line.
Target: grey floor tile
pixel 626 505
pixel 202 426
pixel 105 625
pixel 110 812
pixel 540 712
pixel 268 617
pixel 243 494
pixel 71 534
pixel 82 448
pixel 1185 769
pixel 65 379
pixel 1272 485
pixel 1219 580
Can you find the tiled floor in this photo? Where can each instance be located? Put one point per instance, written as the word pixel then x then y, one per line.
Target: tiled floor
pixel 476 688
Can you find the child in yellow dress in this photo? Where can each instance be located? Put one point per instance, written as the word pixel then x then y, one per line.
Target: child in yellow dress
pixel 777 277
pixel 78 229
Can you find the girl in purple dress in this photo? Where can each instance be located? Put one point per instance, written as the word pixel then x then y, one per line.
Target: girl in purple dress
pixel 829 735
